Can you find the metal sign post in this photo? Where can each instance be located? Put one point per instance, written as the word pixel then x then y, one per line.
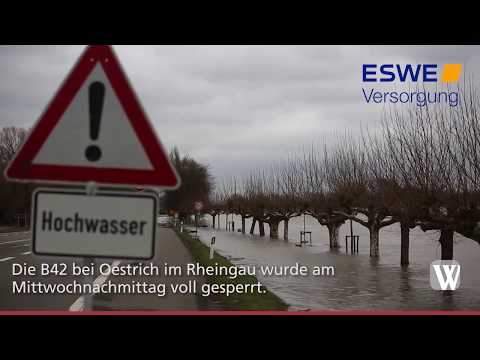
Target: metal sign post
pixel 304 223
pixel 196 222
pixel 198 207
pixel 91 190
pixel 212 249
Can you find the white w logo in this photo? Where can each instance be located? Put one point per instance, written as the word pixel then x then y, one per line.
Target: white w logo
pixel 448 279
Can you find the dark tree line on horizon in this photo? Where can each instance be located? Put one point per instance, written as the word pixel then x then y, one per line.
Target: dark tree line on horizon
pixel 15 198
pixel 196 186
pixel 421 169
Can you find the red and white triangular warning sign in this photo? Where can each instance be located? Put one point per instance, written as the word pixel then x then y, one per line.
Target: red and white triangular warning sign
pixel 94 130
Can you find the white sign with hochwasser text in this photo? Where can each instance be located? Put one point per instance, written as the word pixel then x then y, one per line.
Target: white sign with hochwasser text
pixel 108 225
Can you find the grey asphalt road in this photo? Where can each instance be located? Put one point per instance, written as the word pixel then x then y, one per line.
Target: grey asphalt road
pixel 15 248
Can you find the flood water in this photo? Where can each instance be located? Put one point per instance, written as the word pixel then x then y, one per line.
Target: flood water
pixel 359 282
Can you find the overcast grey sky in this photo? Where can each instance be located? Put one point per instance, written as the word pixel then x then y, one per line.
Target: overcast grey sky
pixel 231 107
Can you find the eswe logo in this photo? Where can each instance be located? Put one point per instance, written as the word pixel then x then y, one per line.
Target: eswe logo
pixel 445 275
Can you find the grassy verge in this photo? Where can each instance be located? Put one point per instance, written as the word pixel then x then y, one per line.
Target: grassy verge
pixel 255 301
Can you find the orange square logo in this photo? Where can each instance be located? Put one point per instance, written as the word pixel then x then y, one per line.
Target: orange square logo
pixel 451 73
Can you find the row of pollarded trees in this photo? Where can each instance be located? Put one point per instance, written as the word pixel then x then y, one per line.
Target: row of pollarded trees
pixel 421 168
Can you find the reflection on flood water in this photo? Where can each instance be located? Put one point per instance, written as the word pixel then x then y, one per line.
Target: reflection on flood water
pixel 360 282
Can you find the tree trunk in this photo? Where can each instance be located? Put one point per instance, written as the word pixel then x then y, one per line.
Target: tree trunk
pixel 333 230
pixel 243 225
pixel 214 217
pixel 226 222
pixel 285 229
pixel 446 241
pixel 374 241
pixel 252 228
pixel 261 225
pixel 274 229
pixel 405 243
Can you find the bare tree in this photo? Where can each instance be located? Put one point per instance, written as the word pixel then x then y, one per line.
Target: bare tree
pixel 433 153
pixel 14 198
pixel 320 201
pixel 10 140
pixel 362 198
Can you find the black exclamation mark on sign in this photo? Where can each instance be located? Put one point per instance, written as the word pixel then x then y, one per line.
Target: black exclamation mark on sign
pixel 96 101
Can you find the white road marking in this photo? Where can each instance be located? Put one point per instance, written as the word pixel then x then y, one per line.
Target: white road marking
pixel 13 242
pixel 27 253
pixel 14 233
pixel 79 304
pixel 20 246
pixel 7 259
